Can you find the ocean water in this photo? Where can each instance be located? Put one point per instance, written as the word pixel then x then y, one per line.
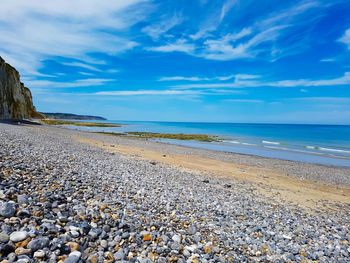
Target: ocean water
pixel 322 144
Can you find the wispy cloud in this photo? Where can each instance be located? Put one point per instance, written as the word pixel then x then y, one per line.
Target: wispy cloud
pixel 330 100
pixel 260 38
pixel 344 80
pixel 346 38
pixel 146 92
pixel 72 84
pixel 226 8
pixel 244 100
pixel 182 78
pixel 80 65
pixel 328 60
pixel 71 29
pixel 156 30
pixel 243 81
pixel 181 45
pixel 222 78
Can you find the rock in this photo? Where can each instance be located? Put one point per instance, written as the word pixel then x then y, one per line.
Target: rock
pixel 104 243
pixel 93 259
pixel 73 246
pixel 119 255
pixel 95 232
pixel 74 233
pixel 4 238
pixel 38 243
pixel 6 249
pixel 7 209
pixel 125 235
pixel 73 257
pixel 16 100
pixel 18 236
pixel 176 238
pixel 106 228
pixel 39 254
pixel 207 249
pixel 22 199
pixel 147 238
pixel 23 251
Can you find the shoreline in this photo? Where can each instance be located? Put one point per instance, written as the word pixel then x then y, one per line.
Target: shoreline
pixel 294 150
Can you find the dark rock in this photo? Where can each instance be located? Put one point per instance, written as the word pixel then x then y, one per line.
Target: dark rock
pixel 38 243
pixel 6 249
pixel 7 209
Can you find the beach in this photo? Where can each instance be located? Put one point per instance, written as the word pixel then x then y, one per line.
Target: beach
pixel 70 195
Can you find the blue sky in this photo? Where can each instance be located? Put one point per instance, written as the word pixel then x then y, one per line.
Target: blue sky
pixel 200 60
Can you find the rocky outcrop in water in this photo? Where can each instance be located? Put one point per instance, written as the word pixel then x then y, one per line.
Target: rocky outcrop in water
pixel 15 99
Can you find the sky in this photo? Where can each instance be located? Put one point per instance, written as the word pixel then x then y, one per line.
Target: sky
pixel 262 61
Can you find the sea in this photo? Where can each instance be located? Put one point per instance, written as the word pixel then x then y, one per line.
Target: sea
pixel 319 144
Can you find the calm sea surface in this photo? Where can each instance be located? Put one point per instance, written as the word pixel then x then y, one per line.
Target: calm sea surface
pixel 323 144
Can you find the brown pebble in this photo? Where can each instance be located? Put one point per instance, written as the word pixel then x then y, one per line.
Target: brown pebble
pixel 207 249
pixel 73 246
pixel 23 251
pixel 110 256
pixel 147 238
pixel 93 259
pixel 23 243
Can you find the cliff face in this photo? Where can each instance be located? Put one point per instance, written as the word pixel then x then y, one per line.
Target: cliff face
pixel 15 99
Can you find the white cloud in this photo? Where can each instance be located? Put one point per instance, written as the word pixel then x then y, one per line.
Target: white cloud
pixel 222 78
pixel 182 78
pixel 226 47
pixel 246 76
pixel 244 100
pixel 146 92
pixel 242 81
pixel 328 60
pixel 207 86
pixel 330 100
pixel 156 30
pixel 260 38
pixel 346 38
pixel 80 65
pixel 345 80
pixel 180 45
pixel 56 84
pixel 227 7
pixel 86 73
pixel 71 29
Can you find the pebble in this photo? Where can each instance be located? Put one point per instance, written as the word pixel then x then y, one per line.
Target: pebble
pixel 104 243
pixel 176 238
pixel 39 254
pixel 23 251
pixel 18 236
pixel 73 257
pixel 4 238
pixel 38 243
pixel 7 209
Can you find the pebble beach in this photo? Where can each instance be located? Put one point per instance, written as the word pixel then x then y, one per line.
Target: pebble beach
pixel 63 200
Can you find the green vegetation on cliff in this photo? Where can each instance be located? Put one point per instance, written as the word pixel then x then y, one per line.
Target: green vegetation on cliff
pixel 70 116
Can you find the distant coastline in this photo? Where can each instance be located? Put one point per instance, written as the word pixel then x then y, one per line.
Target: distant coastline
pixel 70 116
